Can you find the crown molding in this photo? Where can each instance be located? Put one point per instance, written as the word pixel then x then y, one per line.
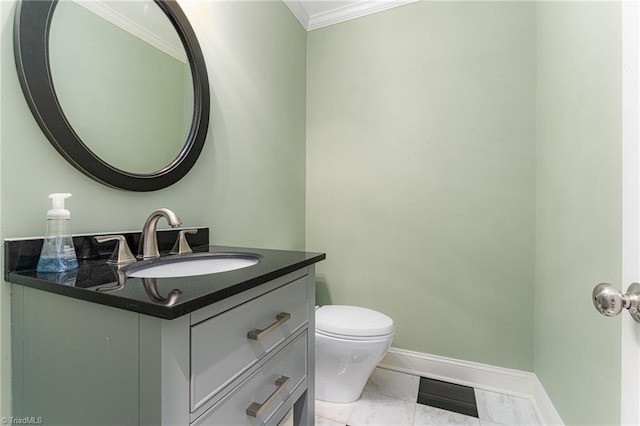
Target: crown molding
pixel 102 9
pixel 298 11
pixel 340 14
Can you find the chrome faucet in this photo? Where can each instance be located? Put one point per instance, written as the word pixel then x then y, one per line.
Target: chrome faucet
pixel 148 239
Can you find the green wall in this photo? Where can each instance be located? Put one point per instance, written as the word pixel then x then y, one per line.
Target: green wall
pixel 579 201
pixel 421 173
pixel 248 184
pixel 464 176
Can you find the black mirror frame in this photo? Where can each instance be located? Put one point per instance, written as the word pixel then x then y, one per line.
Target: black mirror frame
pixel 31 49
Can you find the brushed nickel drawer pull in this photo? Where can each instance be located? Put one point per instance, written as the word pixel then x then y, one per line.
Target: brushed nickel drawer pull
pixel 256 333
pixel 255 409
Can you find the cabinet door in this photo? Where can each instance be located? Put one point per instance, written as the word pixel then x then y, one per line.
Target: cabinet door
pixel 73 361
pixel 221 349
pixel 255 400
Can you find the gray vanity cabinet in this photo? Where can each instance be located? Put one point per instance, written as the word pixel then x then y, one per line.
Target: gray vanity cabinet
pixel 246 360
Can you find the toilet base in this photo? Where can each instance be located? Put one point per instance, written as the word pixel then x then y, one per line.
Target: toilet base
pixel 343 366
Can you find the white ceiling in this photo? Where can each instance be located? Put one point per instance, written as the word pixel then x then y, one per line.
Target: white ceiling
pixel 314 14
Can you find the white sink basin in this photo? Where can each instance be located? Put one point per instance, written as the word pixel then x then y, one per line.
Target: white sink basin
pixel 192 266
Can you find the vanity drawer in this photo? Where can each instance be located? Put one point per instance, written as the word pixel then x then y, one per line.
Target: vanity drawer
pixel 264 391
pixel 225 346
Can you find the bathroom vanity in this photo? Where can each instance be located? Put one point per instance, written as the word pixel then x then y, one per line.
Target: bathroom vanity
pixel 99 346
pixel 231 348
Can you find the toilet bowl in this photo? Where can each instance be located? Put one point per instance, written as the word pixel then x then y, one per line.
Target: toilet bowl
pixel 350 342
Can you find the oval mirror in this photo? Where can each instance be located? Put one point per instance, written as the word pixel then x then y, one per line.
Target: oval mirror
pixel 119 88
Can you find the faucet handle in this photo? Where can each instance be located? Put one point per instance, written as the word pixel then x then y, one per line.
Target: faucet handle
pixel 122 254
pixel 181 245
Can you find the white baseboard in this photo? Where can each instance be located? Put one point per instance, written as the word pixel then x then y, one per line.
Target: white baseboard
pixel 497 379
pixel 544 405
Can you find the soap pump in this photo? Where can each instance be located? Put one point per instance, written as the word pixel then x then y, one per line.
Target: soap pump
pixel 58 253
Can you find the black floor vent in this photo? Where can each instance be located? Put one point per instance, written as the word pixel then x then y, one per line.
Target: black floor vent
pixel 448 396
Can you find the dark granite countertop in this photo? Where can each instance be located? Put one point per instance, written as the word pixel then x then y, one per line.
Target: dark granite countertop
pixel 98 282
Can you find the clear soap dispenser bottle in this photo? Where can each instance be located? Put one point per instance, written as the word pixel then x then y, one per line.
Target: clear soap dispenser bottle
pixel 58 253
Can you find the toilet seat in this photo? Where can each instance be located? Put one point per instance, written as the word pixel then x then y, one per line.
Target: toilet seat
pixel 372 339
pixel 353 322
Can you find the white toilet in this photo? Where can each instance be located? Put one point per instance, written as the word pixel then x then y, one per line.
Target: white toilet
pixel 350 342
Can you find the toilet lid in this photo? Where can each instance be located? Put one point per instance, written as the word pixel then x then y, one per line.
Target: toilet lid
pixel 346 320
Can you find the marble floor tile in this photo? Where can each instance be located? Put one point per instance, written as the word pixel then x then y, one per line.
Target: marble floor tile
pixel 505 409
pixel 338 412
pixel 321 421
pixel 489 423
pixel 431 416
pixel 379 410
pixel 394 384
pixel 390 398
